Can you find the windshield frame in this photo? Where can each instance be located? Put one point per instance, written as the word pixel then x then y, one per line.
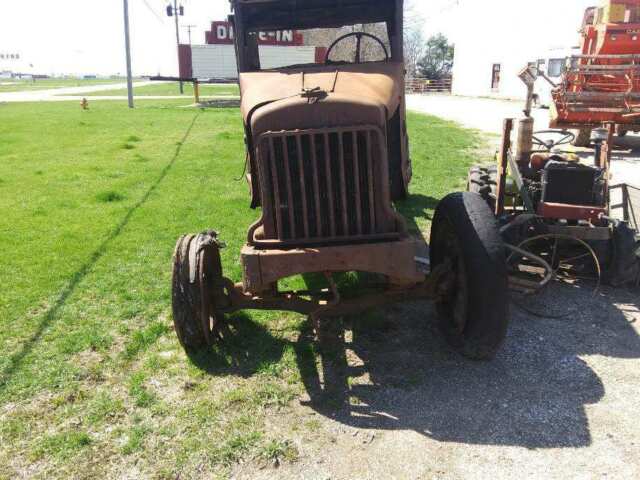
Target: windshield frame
pixel 251 17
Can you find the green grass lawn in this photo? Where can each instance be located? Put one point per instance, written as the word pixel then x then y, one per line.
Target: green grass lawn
pixel 93 383
pixel 15 85
pixel 172 89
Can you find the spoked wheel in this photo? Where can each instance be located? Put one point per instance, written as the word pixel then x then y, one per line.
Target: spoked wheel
pixel 573 265
pixel 198 291
pixel 474 309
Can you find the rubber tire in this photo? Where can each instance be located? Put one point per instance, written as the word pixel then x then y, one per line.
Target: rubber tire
pixel 583 137
pixel 186 299
pixel 482 253
pixel 483 180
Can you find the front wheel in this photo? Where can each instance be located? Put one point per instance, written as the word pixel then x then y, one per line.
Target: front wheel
pixel 198 291
pixel 474 312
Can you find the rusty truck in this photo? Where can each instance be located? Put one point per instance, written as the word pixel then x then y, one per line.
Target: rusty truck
pixel 328 157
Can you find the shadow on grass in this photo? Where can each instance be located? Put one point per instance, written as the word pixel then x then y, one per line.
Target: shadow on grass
pixel 417 206
pixel 246 349
pixel 50 315
pixel 414 207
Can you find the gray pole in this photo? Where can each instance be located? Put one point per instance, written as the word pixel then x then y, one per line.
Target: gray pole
pixel 128 49
pixel 175 14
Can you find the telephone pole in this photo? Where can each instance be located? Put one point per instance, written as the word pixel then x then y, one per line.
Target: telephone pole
pixel 176 13
pixel 189 27
pixel 127 46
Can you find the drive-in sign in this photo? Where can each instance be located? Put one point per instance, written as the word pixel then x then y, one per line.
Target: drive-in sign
pixel 222 34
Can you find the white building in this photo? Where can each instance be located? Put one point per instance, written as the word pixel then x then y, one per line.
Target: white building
pixel 498 38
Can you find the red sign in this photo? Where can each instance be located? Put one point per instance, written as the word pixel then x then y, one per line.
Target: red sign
pixel 222 34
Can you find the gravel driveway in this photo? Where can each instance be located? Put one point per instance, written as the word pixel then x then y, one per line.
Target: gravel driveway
pixel 560 401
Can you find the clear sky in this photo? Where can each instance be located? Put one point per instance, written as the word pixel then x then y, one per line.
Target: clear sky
pixel 86 36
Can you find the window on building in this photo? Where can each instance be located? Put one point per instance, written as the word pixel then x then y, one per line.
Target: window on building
pixel 556 67
pixel 495 77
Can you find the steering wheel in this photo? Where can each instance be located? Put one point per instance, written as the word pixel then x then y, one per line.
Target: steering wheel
pixel 566 137
pixel 359 36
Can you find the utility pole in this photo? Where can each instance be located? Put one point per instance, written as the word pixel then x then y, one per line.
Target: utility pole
pixel 127 46
pixel 189 27
pixel 176 13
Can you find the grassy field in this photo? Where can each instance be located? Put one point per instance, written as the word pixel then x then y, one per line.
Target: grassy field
pixel 172 89
pixel 93 383
pixel 15 85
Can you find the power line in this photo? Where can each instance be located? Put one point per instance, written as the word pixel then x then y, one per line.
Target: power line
pixel 155 14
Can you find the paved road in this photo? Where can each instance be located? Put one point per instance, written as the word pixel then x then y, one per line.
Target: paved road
pixel 67 93
pixel 487 115
pixel 78 93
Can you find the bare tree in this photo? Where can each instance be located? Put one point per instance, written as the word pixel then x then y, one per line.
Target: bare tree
pixel 414 41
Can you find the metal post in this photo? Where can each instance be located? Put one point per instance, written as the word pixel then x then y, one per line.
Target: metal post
pixel 503 160
pixel 604 159
pixel 524 144
pixel 196 90
pixel 176 13
pixel 625 203
pixel 127 45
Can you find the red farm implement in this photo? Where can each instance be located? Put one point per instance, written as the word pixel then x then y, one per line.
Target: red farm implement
pixel 602 84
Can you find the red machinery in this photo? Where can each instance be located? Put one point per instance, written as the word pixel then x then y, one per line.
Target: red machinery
pixel 602 85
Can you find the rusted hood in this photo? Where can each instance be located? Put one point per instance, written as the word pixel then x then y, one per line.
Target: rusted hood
pixel 355 95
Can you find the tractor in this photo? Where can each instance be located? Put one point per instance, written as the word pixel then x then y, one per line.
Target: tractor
pixel 327 157
pixel 560 216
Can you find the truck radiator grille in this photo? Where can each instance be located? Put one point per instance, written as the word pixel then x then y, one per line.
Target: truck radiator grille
pixel 324 186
